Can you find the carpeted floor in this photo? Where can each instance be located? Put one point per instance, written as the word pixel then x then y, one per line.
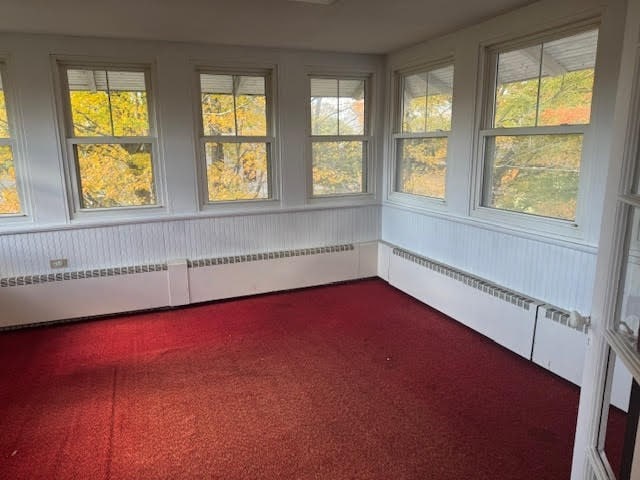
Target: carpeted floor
pixel 353 381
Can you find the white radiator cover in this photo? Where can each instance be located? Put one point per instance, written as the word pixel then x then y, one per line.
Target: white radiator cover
pixel 541 333
pixel 509 325
pixel 35 299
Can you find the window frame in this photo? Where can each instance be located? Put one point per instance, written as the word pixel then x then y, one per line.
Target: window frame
pixel 395 195
pixel 366 138
pixel 69 139
pixel 550 226
pixel 15 142
pixel 271 139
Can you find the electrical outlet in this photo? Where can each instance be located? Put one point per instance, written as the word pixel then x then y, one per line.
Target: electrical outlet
pixel 58 263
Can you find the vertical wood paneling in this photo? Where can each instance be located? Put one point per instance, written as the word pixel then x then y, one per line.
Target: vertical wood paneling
pixel 556 274
pixel 148 243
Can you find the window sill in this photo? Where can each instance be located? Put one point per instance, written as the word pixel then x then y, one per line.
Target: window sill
pixel 419 202
pixel 347 200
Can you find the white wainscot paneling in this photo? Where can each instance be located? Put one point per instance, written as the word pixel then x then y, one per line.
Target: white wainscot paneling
pixel 559 275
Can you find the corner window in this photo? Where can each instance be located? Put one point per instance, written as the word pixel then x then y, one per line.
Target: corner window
pixel 339 137
pixel 423 126
pixel 236 136
pixel 110 136
pixel 538 111
pixel 9 196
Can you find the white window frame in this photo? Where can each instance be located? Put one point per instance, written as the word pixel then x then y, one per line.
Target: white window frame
pixel 368 172
pixel 549 226
pixel 270 139
pixel 397 109
pixel 15 141
pixel 69 140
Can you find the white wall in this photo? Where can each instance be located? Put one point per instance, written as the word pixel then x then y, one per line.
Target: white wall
pixel 179 228
pixel 556 268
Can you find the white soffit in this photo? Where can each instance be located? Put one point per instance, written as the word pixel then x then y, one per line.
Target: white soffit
pixel 358 26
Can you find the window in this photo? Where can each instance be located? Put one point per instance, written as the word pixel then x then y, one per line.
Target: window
pixel 538 111
pixel 339 136
pixel 110 137
pixel 236 135
pixel 423 123
pixel 9 197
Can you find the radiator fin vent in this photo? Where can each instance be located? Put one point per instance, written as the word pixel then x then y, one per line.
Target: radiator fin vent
pixel 207 262
pixel 470 280
pixel 95 273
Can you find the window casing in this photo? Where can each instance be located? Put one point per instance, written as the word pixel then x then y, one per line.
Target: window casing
pixel 422 128
pixel 339 135
pixel 237 140
pixel 111 137
pixel 536 115
pixel 11 204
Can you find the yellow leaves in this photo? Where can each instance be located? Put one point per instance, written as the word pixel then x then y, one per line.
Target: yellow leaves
pixel 9 199
pixel 237 171
pixel 111 176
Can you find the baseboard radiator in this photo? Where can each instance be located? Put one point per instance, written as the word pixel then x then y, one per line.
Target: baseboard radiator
pixel 32 299
pixel 545 334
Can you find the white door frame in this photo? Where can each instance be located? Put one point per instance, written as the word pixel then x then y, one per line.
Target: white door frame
pixel 588 462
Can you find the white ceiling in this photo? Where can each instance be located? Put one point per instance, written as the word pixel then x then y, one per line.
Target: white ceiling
pixel 362 26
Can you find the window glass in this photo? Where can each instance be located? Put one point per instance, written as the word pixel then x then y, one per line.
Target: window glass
pixel 422 144
pixel 110 138
pixel 545 85
pixel 338 109
pixel 9 198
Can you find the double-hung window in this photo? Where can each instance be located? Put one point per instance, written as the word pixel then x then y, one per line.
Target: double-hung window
pixel 9 196
pixel 422 130
pixel 110 137
pixel 339 140
pixel 537 112
pixel 236 133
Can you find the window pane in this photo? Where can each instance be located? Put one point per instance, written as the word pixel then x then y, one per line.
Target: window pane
pixel 566 85
pixel 108 103
pixel 222 114
pixel 237 171
pixel 439 99
pixel 4 121
pixel 9 200
pixel 517 88
pixel 536 174
pixel 351 107
pixel 324 106
pixel 414 103
pixel 115 175
pixel 422 166
pixel 427 100
pixel 251 106
pixel 218 116
pixel 338 167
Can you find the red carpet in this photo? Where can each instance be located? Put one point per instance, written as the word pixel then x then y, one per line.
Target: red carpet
pixel 355 381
